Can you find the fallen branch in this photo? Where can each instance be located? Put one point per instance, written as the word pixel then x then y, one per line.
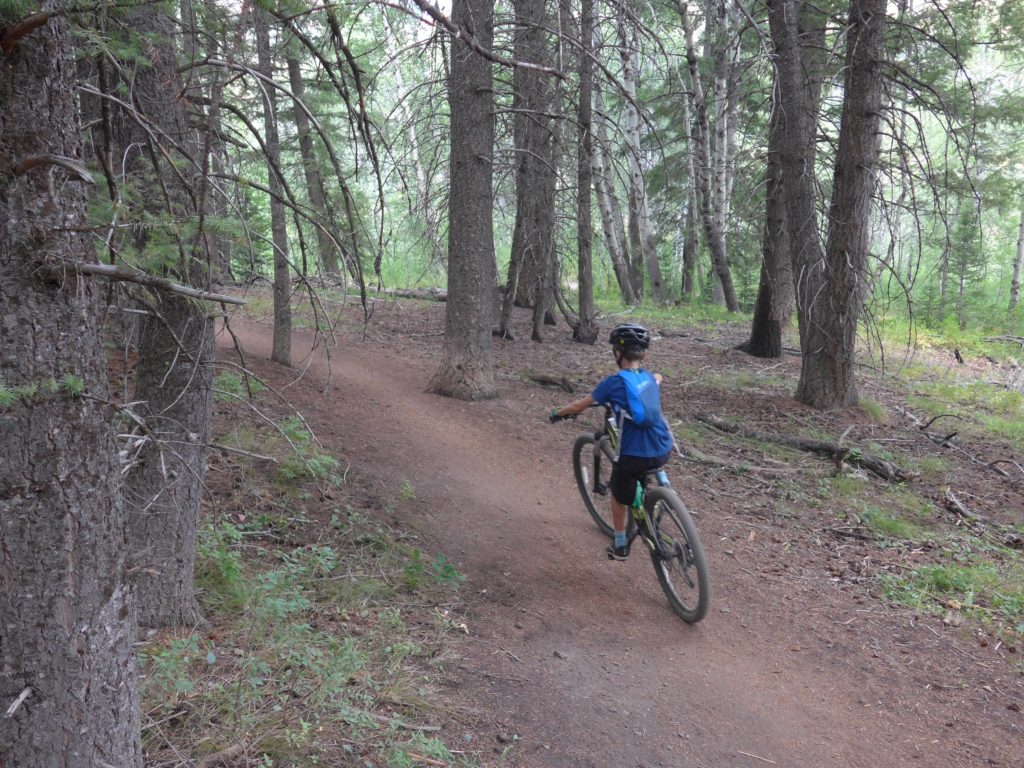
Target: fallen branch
pixel 548 380
pixel 121 274
pixel 835 451
pixel 1008 339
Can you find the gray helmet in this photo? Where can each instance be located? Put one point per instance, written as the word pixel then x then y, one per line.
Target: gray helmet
pixel 630 336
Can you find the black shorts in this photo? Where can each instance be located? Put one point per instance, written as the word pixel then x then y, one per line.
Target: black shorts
pixel 629 470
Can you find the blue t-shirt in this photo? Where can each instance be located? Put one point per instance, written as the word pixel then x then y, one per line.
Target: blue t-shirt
pixel 648 443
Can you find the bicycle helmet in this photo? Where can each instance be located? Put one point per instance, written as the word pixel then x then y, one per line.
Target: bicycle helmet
pixel 630 336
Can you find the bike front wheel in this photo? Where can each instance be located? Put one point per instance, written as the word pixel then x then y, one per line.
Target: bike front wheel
pixel 678 555
pixel 592 465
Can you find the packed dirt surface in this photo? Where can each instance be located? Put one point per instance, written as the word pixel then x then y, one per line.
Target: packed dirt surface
pixel 573 660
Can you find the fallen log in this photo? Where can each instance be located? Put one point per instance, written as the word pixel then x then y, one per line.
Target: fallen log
pixel 427 294
pixel 835 451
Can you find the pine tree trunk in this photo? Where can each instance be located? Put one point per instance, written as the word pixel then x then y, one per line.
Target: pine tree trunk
pixel 830 292
pixel 465 371
pixel 774 305
pixel 67 615
pixel 585 331
pixel 174 373
pixel 282 344
pixel 326 247
pixel 534 231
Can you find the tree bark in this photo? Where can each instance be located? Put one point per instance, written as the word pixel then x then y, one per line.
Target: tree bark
pixel 585 331
pixel 67 614
pixel 465 371
pixel 326 247
pixel 282 345
pixel 174 373
pixel 830 291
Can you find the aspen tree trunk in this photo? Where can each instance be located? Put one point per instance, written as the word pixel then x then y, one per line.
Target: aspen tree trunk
pixel 704 168
pixel 282 344
pixel 641 232
pixel 1018 262
pixel 630 284
pixel 465 371
pixel 586 328
pixel 68 676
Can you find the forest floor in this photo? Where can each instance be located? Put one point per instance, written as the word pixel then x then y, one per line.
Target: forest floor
pixel 854 622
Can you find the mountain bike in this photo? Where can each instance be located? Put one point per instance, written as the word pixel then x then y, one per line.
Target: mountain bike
pixel 657 517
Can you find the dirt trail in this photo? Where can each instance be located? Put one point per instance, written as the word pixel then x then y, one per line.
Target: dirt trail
pixel 582 658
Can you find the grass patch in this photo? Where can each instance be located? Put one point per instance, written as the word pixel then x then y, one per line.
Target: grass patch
pixel 874 410
pixel 993 410
pixel 321 654
pixel 987 592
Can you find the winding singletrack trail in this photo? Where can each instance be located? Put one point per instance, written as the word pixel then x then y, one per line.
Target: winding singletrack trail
pixel 579 661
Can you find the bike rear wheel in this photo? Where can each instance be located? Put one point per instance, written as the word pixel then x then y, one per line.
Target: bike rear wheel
pixel 592 465
pixel 678 555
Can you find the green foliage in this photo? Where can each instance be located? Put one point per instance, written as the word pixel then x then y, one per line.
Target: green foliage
pixel 229 386
pixel 305 459
pixel 70 384
pixel 7 396
pixel 73 385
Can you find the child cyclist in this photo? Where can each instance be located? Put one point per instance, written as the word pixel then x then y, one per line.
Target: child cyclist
pixel 645 438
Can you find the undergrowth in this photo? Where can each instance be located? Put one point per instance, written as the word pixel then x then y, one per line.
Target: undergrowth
pixel 329 630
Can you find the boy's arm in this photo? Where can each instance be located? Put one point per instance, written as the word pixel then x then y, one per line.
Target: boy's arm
pixel 573 408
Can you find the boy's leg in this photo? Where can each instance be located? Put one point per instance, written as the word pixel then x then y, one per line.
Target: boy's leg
pixel 623 485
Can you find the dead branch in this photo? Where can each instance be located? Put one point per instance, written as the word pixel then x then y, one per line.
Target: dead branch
pixel 946 441
pixel 878 466
pixel 74 167
pixel 121 274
